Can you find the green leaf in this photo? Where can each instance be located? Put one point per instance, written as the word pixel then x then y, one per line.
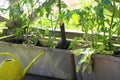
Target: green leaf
pixel 3 25
pixel 100 37
pixel 104 29
pixel 119 39
pixel 68 15
pixel 35 41
pixel 113 48
pixel 117 1
pixel 75 18
pixel 106 3
pixel 90 24
pixel 74 43
pixel 100 49
pixel 77 52
pixel 50 43
pixel 78 12
pixel 19 32
pixel 47 7
pixel 3 9
pixel 116 12
pixel 99 11
pixel 114 25
pixel 39 11
pixel 46 31
pixel 63 5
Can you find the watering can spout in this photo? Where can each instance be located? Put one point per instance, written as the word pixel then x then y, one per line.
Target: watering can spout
pixel 31 63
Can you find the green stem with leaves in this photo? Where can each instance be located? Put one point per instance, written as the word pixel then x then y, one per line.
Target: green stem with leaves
pixel 92 26
pixel 92 38
pixel 111 24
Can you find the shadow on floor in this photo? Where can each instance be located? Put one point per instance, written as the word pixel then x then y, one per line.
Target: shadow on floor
pixel 37 77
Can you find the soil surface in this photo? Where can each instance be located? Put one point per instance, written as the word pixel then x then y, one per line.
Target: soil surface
pixel 37 77
pixel 117 52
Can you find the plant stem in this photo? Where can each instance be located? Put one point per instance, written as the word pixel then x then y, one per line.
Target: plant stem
pixel 40 17
pixel 111 24
pixel 104 33
pixel 59 3
pixel 92 37
pixel 27 27
pixel 19 13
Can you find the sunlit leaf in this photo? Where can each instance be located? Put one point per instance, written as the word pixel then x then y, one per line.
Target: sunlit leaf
pixel 77 52
pixel 46 31
pixel 75 18
pixel 116 12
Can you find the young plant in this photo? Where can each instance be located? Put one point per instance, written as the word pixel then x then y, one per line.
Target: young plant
pixel 22 14
pixel 103 24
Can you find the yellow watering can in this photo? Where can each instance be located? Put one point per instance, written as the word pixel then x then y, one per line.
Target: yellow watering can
pixel 11 69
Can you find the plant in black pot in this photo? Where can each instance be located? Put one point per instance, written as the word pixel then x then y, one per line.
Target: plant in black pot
pixel 63 44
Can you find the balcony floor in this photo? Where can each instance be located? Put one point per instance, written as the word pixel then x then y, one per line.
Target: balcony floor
pixel 36 77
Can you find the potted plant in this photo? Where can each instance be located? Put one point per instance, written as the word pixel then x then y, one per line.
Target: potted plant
pixel 55 62
pixel 103 25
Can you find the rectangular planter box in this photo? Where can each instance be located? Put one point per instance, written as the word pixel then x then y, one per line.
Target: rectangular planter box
pixel 106 67
pixel 55 63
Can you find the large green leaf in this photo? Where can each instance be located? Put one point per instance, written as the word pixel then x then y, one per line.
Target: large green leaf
pixel 106 3
pixel 68 15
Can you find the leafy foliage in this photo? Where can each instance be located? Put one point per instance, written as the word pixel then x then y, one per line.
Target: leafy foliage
pixel 102 21
pixel 85 62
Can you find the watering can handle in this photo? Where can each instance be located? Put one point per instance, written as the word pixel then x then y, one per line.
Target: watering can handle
pixel 8 54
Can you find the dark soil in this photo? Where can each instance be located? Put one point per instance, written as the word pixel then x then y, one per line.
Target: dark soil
pixel 60 45
pixel 18 41
pixel 21 41
pixel 37 77
pixel 117 52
